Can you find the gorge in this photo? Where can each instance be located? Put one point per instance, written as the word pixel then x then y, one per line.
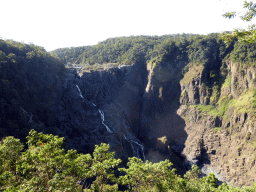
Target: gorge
pixel 154 124
pixel 187 99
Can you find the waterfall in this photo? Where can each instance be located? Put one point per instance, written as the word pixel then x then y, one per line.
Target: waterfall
pixel 102 118
pixel 135 148
pixel 79 91
pixel 92 103
pixel 101 112
pixel 140 147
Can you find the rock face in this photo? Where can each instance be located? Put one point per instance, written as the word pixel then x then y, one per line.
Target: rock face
pixel 159 119
pixel 229 152
pixel 86 105
pixel 150 112
pixel 193 90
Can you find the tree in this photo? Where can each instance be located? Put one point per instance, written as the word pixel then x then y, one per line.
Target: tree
pixel 142 176
pixel 241 34
pixel 44 166
pixel 103 165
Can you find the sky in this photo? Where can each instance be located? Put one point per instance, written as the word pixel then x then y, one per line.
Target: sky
pixel 56 24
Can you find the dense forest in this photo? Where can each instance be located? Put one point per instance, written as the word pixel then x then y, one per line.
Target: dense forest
pixel 127 50
pixel 29 77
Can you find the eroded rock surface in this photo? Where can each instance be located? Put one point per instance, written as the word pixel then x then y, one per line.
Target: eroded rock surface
pixel 223 147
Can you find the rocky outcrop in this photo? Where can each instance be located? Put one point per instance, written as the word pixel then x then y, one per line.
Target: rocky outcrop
pixel 193 90
pixel 224 145
pixel 158 116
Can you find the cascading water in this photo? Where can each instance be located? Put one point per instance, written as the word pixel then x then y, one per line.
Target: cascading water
pixel 100 111
pixel 135 148
pixel 102 118
pixel 140 147
pixel 92 104
pixel 80 93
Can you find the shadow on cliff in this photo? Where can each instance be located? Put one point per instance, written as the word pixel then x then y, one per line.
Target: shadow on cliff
pixel 162 129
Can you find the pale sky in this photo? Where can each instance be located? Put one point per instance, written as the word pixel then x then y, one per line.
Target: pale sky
pixel 56 24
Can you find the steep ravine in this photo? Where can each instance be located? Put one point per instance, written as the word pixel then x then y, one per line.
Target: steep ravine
pixel 162 129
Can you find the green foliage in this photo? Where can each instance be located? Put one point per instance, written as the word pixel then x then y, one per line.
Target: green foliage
pixel 215 94
pixel 205 49
pixel 207 108
pixel 241 34
pixel 227 83
pixel 127 50
pixel 246 103
pixel 144 176
pixel 44 166
pixel 243 53
pixel 193 173
pixel 216 129
pixel 29 78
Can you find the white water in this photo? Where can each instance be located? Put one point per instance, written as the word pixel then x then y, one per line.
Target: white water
pixel 135 148
pixel 79 91
pixel 92 103
pixel 102 118
pixel 125 137
pixel 142 149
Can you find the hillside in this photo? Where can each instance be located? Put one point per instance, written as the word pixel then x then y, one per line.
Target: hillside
pixel 29 77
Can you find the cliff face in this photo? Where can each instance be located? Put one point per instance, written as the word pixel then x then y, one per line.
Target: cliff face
pixel 157 113
pixel 102 106
pixel 162 130
pixel 222 142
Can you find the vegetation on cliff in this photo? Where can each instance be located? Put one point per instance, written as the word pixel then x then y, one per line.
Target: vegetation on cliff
pixel 194 55
pixel 44 166
pixel 213 54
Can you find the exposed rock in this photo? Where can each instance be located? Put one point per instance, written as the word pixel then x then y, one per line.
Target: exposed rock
pixel 193 91
pixel 158 116
pixel 117 93
pixel 229 153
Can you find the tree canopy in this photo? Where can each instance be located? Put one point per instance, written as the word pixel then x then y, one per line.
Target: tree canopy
pixel 45 166
pixel 248 36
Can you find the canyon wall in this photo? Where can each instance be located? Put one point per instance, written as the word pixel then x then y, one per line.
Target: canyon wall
pixel 158 111
pixel 221 140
